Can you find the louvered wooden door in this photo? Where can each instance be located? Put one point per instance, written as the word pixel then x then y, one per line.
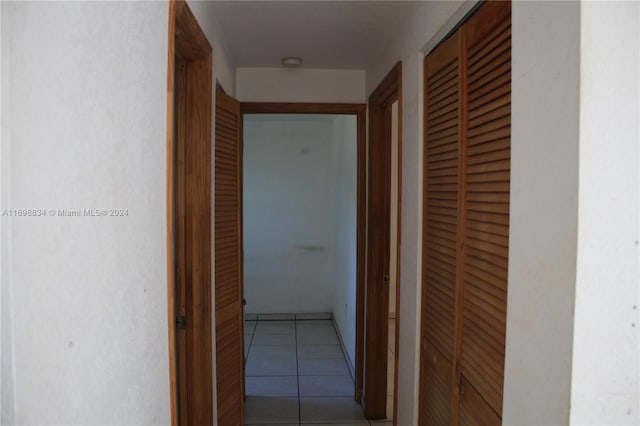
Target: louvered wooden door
pixel 466 224
pixel 228 262
pixel 441 168
pixel 486 215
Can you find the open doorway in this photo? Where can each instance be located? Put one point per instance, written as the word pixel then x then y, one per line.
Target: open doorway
pixel 383 243
pixel 303 260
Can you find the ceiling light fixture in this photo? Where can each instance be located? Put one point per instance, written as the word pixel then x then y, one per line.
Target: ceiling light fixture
pixel 291 62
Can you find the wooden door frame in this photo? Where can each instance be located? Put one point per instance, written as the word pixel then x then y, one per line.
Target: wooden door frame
pixel 189 116
pixel 359 110
pixel 380 101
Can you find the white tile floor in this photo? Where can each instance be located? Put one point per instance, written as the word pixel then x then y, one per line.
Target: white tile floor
pixel 296 374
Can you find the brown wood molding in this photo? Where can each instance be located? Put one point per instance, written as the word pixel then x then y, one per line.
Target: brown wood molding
pixel 190 41
pixel 396 350
pixel 361 250
pixel 170 216
pixel 378 228
pixel 188 144
pixel 389 88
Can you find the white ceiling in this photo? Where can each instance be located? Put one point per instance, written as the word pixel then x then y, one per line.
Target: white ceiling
pixel 326 34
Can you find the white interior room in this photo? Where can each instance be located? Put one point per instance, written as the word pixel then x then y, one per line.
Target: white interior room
pixel 299 220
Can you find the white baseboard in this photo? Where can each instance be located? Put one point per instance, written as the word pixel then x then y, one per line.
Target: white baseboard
pixel 352 370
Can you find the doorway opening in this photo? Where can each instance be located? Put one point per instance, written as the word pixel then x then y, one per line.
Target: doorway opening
pixel 383 244
pixel 303 204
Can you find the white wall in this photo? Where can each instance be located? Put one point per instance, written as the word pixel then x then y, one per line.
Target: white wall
pixel 543 216
pixel 605 341
pixel 87 107
pixel 345 157
pixel 300 202
pixel 7 390
pixel 300 85
pixel 288 214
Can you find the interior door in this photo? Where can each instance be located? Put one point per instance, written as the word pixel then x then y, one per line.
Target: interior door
pixel 440 229
pixel 378 248
pixel 229 316
pixel 487 161
pixel 376 346
pixel 466 222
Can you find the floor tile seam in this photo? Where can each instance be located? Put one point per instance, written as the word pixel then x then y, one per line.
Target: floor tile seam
pixel 258 358
pixel 314 328
pixel 319 344
pixel 266 344
pixel 331 374
pixel 275 344
pixel 253 332
pixel 326 396
pixel 319 359
pixel 350 397
pixel 275 375
pixel 324 375
pixel 295 335
pixel 271 359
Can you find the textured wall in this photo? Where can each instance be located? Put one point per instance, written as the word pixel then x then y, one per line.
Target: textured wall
pixel 300 85
pixel 605 372
pixel 345 210
pixel 544 212
pixel 288 214
pixel 87 107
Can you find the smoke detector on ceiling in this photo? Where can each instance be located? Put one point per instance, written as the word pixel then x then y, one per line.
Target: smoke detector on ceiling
pixel 291 62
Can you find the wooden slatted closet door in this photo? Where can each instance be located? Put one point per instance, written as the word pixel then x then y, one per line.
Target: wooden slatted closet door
pixel 440 241
pixel 228 262
pixel 466 221
pixel 487 49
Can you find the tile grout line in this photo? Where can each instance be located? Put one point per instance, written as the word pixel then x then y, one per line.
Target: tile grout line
pixel 295 334
pixel 298 376
pixel 250 343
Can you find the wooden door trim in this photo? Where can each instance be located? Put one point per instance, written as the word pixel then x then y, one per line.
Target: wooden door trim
pixel 360 111
pixel 186 42
pixel 387 92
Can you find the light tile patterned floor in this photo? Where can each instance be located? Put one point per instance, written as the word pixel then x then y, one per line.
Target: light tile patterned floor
pixel 296 374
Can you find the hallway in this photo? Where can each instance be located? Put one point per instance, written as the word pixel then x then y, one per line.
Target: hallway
pixel 518 232
pixel 296 374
